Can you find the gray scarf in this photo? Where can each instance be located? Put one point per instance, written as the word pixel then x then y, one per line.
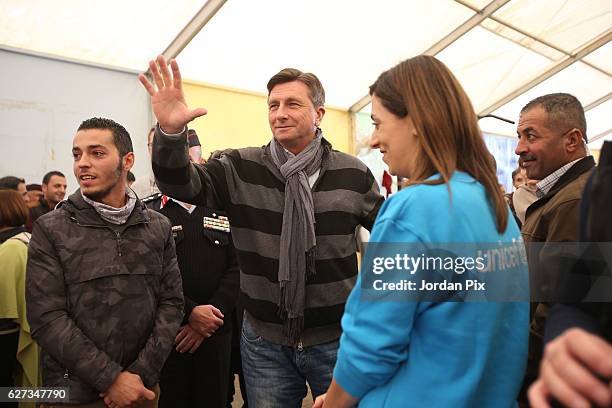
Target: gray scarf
pixel 297 241
pixel 114 215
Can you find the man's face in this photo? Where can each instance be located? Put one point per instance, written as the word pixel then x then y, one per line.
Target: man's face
pixel 34 196
pixel 150 142
pixel 97 166
pixel 55 190
pixel 21 189
pixel 395 138
pixel 541 150
pixel 293 117
pixel 520 178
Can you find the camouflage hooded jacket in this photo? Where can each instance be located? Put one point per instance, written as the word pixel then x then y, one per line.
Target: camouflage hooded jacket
pixel 102 299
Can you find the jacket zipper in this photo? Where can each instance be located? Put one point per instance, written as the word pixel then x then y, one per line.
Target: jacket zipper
pixel 118 242
pixel 117 233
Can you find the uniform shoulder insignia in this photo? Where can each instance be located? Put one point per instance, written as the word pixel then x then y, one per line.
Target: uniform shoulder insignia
pixel 152 197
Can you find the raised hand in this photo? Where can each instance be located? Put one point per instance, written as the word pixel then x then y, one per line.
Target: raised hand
pixel 168 101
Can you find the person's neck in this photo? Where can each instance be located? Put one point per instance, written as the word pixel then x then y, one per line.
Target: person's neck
pixel 50 204
pixel 299 145
pixel 571 159
pixel 115 199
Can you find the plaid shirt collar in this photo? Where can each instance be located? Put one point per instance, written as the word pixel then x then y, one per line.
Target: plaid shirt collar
pixel 544 185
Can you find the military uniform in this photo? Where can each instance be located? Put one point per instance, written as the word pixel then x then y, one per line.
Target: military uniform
pixel 154 201
pixel 210 276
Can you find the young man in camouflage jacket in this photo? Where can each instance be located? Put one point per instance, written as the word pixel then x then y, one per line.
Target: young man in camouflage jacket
pixel 104 296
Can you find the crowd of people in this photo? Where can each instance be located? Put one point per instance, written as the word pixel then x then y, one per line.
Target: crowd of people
pixel 154 291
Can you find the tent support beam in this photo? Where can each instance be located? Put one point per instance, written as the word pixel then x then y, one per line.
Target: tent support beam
pixel 193 27
pixel 566 62
pixel 457 33
pixel 598 102
pixel 599 136
pixel 537 40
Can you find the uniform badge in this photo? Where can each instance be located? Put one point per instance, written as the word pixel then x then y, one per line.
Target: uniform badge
pixel 176 229
pixel 217 223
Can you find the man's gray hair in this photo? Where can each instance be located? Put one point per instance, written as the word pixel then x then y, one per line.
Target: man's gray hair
pixel 564 112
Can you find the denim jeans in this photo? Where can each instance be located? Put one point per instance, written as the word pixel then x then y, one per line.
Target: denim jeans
pixel 276 375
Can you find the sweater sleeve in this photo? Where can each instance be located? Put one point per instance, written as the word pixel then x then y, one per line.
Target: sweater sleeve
pixel 366 361
pixel 177 177
pixel 372 201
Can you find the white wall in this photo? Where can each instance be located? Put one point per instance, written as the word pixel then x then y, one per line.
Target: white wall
pixel 42 103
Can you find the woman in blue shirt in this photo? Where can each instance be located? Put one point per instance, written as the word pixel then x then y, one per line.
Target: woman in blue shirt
pixel 399 348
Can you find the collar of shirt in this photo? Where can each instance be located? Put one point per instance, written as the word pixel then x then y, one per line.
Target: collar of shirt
pixel 544 185
pixel 182 204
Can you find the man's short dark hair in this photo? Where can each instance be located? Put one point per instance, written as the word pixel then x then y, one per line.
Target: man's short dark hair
pixel 10 182
pixel 564 112
pixel 121 137
pixel 50 174
pixel 317 93
pixel 130 177
pixel 515 172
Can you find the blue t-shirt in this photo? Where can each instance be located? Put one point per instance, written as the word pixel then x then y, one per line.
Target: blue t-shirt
pixel 435 354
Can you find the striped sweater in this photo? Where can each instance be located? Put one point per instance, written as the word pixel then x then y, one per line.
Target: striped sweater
pixel 248 186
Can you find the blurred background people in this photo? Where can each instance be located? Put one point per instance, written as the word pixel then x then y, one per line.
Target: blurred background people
pixel 54 190
pixel 17 184
pixel 34 194
pixel 19 354
pixel 519 177
pixel 145 186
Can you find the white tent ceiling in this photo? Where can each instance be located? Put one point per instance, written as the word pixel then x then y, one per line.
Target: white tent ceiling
pixel 504 52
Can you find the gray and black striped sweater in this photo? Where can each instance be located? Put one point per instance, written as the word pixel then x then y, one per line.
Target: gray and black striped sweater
pixel 248 186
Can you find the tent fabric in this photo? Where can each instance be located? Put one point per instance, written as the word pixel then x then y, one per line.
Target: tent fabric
pixel 346 43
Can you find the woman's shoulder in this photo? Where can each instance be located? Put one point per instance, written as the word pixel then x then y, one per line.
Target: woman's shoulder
pixel 15 245
pixel 422 196
pixel 419 204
